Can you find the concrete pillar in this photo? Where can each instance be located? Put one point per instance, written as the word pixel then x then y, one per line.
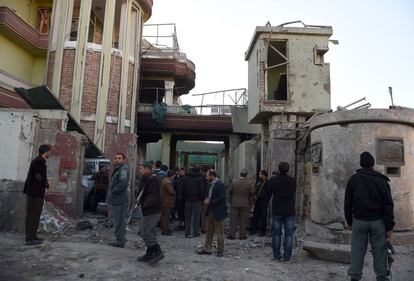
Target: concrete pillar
pixel 282 142
pixel 59 35
pixel 166 148
pixel 186 159
pixel 104 80
pixel 234 142
pixel 80 59
pixel 169 92
pixel 265 153
pixel 124 38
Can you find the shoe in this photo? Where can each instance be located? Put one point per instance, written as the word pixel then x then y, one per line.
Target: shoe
pixel 117 244
pixel 166 233
pixel 196 235
pixel 286 260
pixel 147 256
pixel 243 238
pixel 203 252
pixel 189 236
pixel 261 234
pixel 231 237
pixel 253 232
pixel 277 259
pixel 34 242
pixel 157 255
pixel 219 254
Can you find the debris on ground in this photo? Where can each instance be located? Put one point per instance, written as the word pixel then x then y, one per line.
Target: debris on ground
pixel 53 220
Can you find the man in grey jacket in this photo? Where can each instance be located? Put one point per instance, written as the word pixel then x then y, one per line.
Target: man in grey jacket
pixel 118 197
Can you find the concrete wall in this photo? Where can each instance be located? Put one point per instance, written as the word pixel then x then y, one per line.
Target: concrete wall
pixel 22 133
pixel 344 135
pixel 308 82
pixel 245 158
pixel 154 151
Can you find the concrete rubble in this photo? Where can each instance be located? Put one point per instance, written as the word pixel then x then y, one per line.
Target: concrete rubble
pixel 84 254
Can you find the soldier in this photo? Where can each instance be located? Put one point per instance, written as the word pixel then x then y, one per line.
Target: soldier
pixel 259 219
pixel 151 210
pixel 35 189
pixel 118 198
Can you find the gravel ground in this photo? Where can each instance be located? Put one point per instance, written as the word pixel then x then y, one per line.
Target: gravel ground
pixel 85 255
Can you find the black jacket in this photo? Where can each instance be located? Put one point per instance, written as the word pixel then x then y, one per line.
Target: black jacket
pixel 368 198
pixel 217 203
pixel 36 181
pixel 283 189
pixel 193 188
pixel 151 197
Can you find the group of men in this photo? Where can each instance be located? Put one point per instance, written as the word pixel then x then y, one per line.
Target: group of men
pixel 200 200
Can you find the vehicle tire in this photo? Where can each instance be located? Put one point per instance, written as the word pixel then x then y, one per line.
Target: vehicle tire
pixel 92 203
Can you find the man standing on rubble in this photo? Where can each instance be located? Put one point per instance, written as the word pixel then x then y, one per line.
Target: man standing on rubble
pixel 118 198
pixel 216 213
pixel 282 188
pixel 260 204
pixel 35 190
pixel 151 210
pixel 369 213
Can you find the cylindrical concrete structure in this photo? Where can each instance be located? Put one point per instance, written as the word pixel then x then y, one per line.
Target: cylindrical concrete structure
pixel 337 140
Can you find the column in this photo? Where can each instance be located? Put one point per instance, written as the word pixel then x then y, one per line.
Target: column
pixel 186 159
pixel 169 92
pixel 104 80
pixel 166 148
pixel 62 11
pixel 234 141
pixel 265 163
pixel 124 37
pixel 282 142
pixel 80 59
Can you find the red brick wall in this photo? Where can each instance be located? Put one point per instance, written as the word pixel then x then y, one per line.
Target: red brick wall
pixel 66 79
pixel 91 81
pixel 130 89
pixel 110 132
pixel 114 86
pixel 50 69
pixel 89 128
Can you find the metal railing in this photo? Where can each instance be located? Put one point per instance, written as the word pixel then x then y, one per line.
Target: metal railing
pixel 203 110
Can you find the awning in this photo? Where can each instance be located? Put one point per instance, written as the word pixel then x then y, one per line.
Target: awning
pixel 42 98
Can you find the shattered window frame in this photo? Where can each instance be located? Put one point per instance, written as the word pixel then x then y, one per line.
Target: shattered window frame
pixel 271 93
pixel 390 160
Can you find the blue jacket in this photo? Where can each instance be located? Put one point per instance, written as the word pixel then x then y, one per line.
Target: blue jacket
pixel 218 201
pixel 118 189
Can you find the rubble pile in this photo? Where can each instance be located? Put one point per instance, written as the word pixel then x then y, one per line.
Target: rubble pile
pixel 53 220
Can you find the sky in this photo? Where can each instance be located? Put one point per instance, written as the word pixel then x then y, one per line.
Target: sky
pixel 376 42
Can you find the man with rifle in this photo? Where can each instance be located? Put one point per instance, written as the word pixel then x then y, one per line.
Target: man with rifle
pixel 150 201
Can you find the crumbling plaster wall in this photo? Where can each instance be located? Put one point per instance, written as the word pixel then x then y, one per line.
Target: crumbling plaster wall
pixel 341 147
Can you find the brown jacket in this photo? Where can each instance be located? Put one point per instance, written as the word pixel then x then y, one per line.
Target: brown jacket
pixel 168 196
pixel 240 193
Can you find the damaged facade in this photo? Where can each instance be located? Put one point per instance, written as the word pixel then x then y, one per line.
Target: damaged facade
pixel 289 96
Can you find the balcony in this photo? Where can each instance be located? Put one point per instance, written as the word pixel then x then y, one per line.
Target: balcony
pixel 23 34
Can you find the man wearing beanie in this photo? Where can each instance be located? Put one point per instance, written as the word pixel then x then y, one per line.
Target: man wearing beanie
pixel 35 190
pixel 369 213
pixel 151 210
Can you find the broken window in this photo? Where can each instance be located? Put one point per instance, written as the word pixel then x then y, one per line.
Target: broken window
pixel 44 15
pixel 96 22
pixel 318 55
pixel 277 80
pixel 390 152
pixel 316 157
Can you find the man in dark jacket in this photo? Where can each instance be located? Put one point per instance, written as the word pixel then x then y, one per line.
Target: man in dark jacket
pixel 369 213
pixel 216 213
pixel 118 198
pixel 180 204
pixel 259 219
pixel 194 194
pixel 35 190
pixel 151 210
pixel 283 189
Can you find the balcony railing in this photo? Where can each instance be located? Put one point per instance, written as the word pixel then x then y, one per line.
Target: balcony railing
pixel 203 110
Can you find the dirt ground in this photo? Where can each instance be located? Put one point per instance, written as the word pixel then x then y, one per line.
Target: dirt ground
pixel 85 255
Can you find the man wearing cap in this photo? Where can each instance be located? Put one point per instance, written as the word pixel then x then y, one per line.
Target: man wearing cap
pixel 35 190
pixel 118 198
pixel 151 210
pixel 369 213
